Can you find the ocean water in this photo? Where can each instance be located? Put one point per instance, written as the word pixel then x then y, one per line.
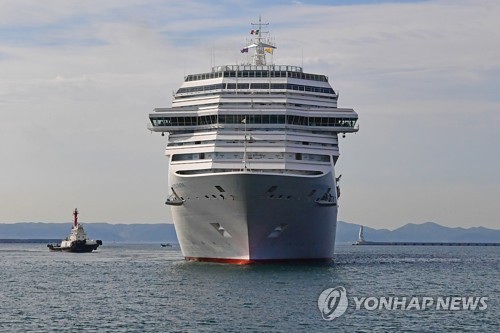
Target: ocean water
pixel 147 288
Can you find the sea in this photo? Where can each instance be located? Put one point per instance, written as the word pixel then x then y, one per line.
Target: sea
pixel 149 288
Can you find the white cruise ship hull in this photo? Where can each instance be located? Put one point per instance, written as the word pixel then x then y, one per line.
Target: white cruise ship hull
pixel 245 217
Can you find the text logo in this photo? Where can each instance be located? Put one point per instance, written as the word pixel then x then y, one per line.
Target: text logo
pixel 421 303
pixel 332 302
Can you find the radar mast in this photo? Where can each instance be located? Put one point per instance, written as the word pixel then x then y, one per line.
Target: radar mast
pixel 260 44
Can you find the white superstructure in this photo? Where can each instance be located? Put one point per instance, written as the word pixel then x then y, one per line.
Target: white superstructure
pixel 252 150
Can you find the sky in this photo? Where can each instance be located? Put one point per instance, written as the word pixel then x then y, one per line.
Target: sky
pixel 78 79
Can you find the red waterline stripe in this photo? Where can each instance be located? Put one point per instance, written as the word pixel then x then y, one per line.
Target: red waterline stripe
pixel 259 261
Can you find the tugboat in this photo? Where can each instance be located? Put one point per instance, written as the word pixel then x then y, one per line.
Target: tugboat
pixel 77 240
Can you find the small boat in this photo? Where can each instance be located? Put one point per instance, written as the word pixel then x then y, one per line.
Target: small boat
pixel 166 245
pixel 77 240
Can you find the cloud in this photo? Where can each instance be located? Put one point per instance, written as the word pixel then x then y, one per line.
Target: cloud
pixel 78 79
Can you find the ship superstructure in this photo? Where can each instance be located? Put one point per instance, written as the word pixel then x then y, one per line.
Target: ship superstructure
pixel 252 150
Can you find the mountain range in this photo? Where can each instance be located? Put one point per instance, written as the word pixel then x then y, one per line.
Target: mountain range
pixel 346 232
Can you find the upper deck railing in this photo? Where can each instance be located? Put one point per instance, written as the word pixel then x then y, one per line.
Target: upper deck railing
pixel 248 67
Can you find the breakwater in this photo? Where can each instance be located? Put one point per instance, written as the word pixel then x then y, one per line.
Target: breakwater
pixel 34 240
pixel 426 243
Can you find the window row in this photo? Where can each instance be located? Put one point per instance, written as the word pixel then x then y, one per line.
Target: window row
pixel 251 156
pixel 266 86
pixel 257 73
pixel 253 119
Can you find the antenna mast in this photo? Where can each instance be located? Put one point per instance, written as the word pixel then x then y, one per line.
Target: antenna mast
pixel 75 217
pixel 259 57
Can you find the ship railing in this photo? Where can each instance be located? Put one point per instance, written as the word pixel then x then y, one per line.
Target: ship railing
pixel 189 128
pixel 284 68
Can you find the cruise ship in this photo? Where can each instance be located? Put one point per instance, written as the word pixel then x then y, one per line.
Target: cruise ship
pixel 251 155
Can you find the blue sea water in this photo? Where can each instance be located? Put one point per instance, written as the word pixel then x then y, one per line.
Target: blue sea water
pixel 147 288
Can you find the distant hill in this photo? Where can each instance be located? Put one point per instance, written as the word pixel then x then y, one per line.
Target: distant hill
pixel 104 231
pixel 346 232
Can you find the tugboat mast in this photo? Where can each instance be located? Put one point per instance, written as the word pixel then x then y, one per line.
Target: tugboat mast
pixel 75 217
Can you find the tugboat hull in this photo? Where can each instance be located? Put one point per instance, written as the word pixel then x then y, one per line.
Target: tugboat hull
pixel 76 246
